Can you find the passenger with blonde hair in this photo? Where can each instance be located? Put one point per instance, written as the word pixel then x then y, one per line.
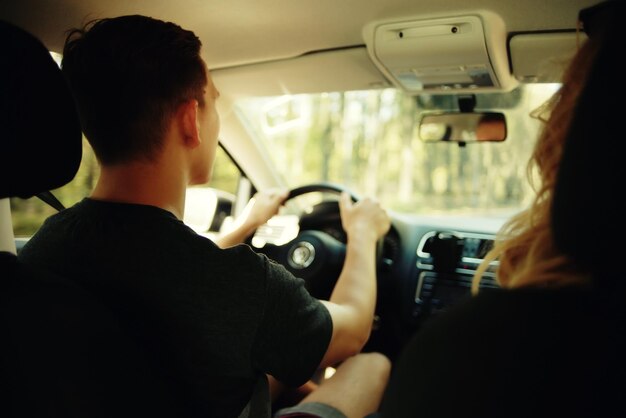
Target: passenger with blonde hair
pixel 551 342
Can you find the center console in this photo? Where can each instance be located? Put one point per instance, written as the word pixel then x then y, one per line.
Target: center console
pixel 446 263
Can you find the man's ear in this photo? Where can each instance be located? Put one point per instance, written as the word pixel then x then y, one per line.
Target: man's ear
pixel 188 123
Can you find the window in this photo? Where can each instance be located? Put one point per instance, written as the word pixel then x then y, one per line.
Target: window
pixel 28 214
pixel 368 141
pixel 207 206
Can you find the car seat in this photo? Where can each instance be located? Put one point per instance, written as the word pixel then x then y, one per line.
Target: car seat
pixel 62 353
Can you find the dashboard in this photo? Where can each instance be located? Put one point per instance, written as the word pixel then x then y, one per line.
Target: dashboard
pixel 425 266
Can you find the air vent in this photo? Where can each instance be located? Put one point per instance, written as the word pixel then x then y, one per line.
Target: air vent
pixel 463 249
pixel 447 262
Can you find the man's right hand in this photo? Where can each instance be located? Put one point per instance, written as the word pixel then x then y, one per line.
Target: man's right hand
pixel 365 218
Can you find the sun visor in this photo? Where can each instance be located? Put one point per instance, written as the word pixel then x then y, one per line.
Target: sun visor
pixel 542 57
pixel 442 55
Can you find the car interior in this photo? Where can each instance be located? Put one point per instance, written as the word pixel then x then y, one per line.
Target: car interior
pixel 382 98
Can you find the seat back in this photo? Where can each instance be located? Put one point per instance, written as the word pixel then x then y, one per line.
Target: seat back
pixel 62 353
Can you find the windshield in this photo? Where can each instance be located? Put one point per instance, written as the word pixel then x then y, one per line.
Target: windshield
pixel 368 142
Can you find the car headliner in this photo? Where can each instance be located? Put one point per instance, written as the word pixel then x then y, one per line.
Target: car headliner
pixel 238 32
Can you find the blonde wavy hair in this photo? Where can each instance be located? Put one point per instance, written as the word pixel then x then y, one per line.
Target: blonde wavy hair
pixel 525 247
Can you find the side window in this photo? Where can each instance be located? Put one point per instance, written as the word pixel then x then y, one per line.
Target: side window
pixel 28 214
pixel 207 206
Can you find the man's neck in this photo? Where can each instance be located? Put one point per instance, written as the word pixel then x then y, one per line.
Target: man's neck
pixel 146 184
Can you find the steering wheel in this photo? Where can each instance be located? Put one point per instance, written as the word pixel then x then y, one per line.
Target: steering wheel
pixel 315 256
pixel 320 187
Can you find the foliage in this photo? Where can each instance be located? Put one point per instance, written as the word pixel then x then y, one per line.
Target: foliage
pixel 367 141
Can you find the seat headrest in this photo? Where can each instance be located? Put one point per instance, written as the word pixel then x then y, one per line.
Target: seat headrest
pixel 40 134
pixel 587 213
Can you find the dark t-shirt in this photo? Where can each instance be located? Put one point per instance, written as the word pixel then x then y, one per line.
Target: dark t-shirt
pixel 515 353
pixel 214 321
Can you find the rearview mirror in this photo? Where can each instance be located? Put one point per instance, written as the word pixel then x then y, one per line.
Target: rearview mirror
pixel 463 127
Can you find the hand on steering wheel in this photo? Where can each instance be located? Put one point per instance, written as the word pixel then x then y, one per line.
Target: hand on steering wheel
pixel 313 255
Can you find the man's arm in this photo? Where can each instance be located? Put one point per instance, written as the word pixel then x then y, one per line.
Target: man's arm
pixel 259 210
pixel 353 300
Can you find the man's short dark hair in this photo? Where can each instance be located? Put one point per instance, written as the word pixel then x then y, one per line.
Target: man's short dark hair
pixel 129 74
